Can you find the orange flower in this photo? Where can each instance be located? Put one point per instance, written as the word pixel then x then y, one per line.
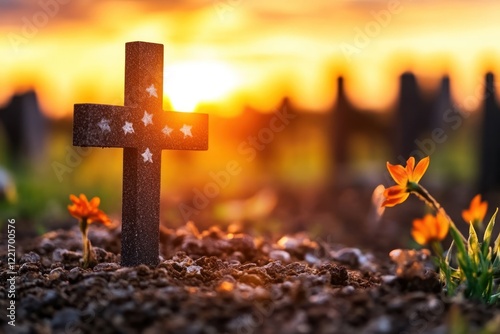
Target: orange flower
pixel 404 177
pixel 87 211
pixel 430 228
pixel 476 212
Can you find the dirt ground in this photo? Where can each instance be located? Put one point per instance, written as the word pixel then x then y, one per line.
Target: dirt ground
pixel 219 282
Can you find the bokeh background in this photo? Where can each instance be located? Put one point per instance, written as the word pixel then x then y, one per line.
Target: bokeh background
pixel 365 82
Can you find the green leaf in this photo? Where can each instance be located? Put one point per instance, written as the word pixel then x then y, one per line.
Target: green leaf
pixel 466 267
pixel 496 255
pixel 463 258
pixel 447 258
pixel 465 264
pixel 485 278
pixel 494 298
pixel 457 237
pixel 445 275
pixel 473 249
pixel 496 246
pixel 487 233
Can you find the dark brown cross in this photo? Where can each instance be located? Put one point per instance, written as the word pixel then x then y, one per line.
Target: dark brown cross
pixel 143 130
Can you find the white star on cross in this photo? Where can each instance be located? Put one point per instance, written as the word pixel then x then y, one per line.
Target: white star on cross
pixel 186 130
pixel 152 91
pixel 128 128
pixel 147 155
pixel 147 118
pixel 167 130
pixel 104 125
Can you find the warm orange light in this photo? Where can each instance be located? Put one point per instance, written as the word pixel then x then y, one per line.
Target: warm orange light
pixel 188 84
pixel 233 53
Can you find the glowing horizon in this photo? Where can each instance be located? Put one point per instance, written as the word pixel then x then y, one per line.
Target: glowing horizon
pixel 230 54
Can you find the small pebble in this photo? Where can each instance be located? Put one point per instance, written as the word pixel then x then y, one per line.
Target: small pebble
pixel 347 290
pixel 62 255
pixel 57 273
pixel 75 274
pixel 319 298
pixel 193 270
pixel 107 266
pixel 29 266
pixel 388 279
pixel 311 258
pixel 380 325
pixel 30 257
pixel 143 270
pixel 251 279
pixel 280 255
pixel 47 245
pixel 435 305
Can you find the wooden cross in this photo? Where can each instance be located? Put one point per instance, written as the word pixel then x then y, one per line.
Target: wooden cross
pixel 143 130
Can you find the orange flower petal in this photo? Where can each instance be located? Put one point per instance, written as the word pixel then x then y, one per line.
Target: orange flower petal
pixel 402 176
pixel 479 207
pixel 410 165
pixel 477 210
pixel 481 211
pixel 73 198
pixel 430 228
pixel 73 210
pixel 394 191
pixel 398 173
pixel 434 226
pixel 467 216
pixel 420 238
pixel 419 231
pixel 475 201
pixel 420 170
pixel 444 226
pixel 94 202
pixel 392 201
pixel 83 209
pixel 100 217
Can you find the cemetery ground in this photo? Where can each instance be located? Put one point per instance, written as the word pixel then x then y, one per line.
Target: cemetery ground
pixel 290 256
pixel 255 275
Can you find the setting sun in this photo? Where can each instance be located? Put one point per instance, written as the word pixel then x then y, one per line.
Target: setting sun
pixel 187 84
pixel 231 54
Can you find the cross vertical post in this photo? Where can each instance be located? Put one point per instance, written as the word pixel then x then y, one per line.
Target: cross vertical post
pixel 140 199
pixel 143 130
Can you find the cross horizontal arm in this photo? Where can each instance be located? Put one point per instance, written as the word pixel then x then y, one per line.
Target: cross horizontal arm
pixel 100 125
pixel 182 131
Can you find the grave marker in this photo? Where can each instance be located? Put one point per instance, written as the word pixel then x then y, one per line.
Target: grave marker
pixel 143 130
pixel 25 128
pixel 489 176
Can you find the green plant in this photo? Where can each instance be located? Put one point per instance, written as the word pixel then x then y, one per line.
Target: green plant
pixel 477 261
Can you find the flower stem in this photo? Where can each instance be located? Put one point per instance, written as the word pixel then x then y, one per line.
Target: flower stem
pixel 424 195
pixel 87 247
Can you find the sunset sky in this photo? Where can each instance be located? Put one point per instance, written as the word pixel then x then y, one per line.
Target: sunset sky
pixel 231 53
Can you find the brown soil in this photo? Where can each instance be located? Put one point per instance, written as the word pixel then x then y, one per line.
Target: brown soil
pixel 216 282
